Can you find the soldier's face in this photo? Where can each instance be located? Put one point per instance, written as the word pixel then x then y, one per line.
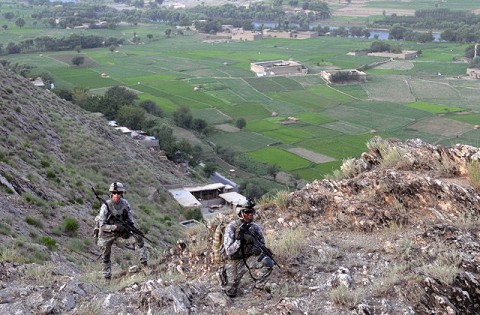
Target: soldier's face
pixel 116 196
pixel 248 215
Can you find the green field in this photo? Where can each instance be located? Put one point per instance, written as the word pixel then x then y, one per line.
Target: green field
pixel 215 81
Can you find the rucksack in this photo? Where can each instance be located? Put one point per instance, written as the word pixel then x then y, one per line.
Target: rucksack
pixel 219 255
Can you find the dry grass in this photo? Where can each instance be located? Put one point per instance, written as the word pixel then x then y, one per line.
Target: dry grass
pixel 289 244
pixel 385 284
pixel 473 170
pixel 341 295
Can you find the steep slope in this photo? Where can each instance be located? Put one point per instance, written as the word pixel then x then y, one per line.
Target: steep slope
pixel 51 154
pixel 398 233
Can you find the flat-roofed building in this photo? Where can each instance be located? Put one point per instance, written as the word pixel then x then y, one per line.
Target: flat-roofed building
pixel 278 67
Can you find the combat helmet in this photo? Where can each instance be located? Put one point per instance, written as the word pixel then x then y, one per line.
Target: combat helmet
pixel 117 187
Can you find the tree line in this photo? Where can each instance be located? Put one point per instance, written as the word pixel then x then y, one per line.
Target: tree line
pixel 456 26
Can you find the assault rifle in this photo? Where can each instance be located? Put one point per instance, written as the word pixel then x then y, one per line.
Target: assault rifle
pixel 129 227
pixel 258 243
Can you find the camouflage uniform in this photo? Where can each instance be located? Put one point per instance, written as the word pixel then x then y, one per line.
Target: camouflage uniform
pixel 108 234
pixel 250 254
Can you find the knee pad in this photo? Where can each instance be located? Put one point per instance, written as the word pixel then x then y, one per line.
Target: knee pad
pixel 267 262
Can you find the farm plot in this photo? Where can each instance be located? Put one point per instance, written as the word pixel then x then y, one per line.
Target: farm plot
pixel 353 90
pixel 225 95
pixel 434 68
pixel 67 58
pixel 346 127
pixel 435 109
pixel 241 141
pixel 150 79
pixel 182 93
pixel 338 147
pixel 473 119
pixel 247 110
pixel 308 80
pixel 368 118
pixel 389 88
pixel 329 96
pixel 318 171
pixel 441 126
pixel 391 109
pixel 262 125
pixel 288 135
pixel 314 118
pixel 429 89
pixel 211 115
pixel 471 137
pixel 244 91
pixel 227 128
pixel 405 134
pixel 84 77
pixel 396 65
pixel 286 161
pixel 311 156
pixel 264 85
pixel 305 99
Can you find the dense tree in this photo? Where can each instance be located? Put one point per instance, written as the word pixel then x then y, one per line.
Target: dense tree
pixel 182 117
pixel 209 169
pixel 252 189
pixel 78 60
pixel 20 22
pixel 379 46
pixel 240 123
pixel 121 94
pixel 9 15
pixel 131 116
pixel 397 32
pixel 199 124
pixel 152 108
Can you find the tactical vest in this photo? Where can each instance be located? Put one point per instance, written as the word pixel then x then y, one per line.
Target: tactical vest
pixel 119 210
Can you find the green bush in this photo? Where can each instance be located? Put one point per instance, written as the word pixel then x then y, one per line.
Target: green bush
pixel 70 226
pixel 48 241
pixel 34 221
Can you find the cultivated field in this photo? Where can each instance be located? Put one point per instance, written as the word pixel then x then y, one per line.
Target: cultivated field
pixel 403 99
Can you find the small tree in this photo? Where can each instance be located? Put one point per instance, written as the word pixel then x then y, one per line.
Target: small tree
pixel 131 116
pixel 168 32
pixel 150 36
pixel 240 123
pixel 209 169
pixel 20 22
pixel 273 171
pixel 78 60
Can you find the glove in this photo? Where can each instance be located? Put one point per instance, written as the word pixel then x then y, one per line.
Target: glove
pixel 243 231
pixel 118 228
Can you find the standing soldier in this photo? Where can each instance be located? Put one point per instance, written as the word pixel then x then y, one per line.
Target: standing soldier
pixel 242 242
pixel 110 230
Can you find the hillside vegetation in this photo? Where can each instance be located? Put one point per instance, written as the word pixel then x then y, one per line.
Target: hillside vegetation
pixel 51 154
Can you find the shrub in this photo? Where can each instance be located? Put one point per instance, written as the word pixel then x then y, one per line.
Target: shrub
pixel 70 226
pixel 48 241
pixel 34 221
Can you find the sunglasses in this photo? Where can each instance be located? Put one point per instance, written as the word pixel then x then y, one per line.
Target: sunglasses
pixel 117 193
pixel 249 211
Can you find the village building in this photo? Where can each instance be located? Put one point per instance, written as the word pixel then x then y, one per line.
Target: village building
pixel 278 67
pixel 246 35
pixel 38 82
pixel 288 34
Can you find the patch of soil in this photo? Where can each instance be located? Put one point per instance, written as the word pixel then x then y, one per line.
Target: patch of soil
pixel 311 156
pixel 68 60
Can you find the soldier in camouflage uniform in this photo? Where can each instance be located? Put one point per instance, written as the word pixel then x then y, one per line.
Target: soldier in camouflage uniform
pixel 244 253
pixel 109 231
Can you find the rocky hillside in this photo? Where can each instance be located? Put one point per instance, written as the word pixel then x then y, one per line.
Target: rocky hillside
pixel 395 232
pixel 51 154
